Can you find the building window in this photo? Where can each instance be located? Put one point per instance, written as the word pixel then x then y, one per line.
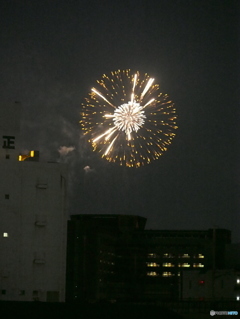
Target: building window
pixel 201 282
pixel 167 274
pixel 21 292
pixel 4 291
pixel 168 265
pixel 41 186
pixel 183 256
pixel 7 156
pixel 35 295
pixel 198 265
pixel 5 234
pixel 7 196
pixel 238 298
pixel 185 265
pixel 152 265
pixel 238 281
pixel 198 256
pixel 152 273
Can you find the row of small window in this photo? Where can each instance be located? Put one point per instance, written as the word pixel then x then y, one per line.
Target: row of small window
pixel 170 255
pixel 195 265
pixel 164 274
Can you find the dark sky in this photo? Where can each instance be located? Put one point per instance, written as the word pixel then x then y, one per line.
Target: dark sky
pixel 51 54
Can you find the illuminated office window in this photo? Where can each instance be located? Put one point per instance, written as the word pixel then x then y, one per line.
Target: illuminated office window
pixel 198 265
pixel 152 273
pixel 168 265
pixel 185 265
pixel 167 274
pixel 184 256
pixel 152 265
pixel 199 256
pixel 5 234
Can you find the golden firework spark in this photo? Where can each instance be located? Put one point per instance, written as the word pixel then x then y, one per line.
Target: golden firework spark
pixel 128 121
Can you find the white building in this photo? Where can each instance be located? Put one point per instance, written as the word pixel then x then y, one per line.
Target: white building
pixel 33 220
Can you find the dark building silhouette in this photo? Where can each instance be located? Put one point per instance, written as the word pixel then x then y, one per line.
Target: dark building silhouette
pixel 112 257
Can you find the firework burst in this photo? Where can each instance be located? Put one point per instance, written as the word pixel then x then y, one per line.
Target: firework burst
pixel 127 119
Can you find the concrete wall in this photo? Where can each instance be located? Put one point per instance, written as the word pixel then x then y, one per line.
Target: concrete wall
pixel 33 220
pixel 32 231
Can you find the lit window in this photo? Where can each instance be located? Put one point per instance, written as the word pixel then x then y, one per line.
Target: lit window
pixel 5 234
pixel 185 265
pixel 168 265
pixel 238 281
pixel 167 274
pixel 238 298
pixel 152 265
pixel 199 256
pixel 198 265
pixel 201 282
pixel 179 274
pixel 184 256
pixel 152 273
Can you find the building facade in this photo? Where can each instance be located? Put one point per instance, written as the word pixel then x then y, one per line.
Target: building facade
pixel 101 257
pixel 33 221
pixel 112 257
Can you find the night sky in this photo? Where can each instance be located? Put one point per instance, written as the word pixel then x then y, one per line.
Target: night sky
pixel 51 54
